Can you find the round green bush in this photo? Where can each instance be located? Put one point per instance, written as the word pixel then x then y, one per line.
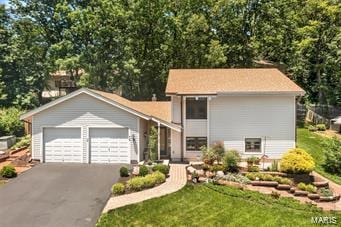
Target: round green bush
pixel 297 161
pixel 231 160
pixel 253 168
pixel 118 189
pixel 149 181
pixel 312 128
pixel 310 188
pixel 321 127
pixel 158 177
pixel 8 172
pixel 136 183
pixel 124 172
pixel 302 186
pixel 143 171
pixel 161 168
pixel 216 168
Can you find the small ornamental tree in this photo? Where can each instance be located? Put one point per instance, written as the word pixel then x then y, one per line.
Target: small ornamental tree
pixel 152 144
pixel 297 161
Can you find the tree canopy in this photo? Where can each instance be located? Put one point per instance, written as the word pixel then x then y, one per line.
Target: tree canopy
pixel 131 44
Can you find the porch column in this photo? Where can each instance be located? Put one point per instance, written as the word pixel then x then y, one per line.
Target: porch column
pixel 158 140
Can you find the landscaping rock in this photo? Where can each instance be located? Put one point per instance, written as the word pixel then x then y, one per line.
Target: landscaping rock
pixel 327 199
pixel 292 190
pixel 264 183
pixel 220 173
pixel 200 172
pixel 321 184
pixel 231 184
pixel 136 170
pixel 313 196
pixel 202 179
pixel 191 170
pixel 189 177
pixel 283 187
pixel 300 193
pixel 209 174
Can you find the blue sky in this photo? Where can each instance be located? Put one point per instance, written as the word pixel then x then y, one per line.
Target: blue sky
pixel 4 1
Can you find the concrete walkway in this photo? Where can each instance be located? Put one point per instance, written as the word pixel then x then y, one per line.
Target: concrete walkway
pixel 175 182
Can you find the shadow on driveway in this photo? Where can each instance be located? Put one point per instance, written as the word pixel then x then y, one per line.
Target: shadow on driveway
pixel 57 195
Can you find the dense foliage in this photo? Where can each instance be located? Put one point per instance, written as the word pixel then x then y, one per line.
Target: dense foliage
pixel 8 172
pixel 333 156
pixel 131 45
pixel 10 124
pixel 153 143
pixel 297 161
pixel 231 160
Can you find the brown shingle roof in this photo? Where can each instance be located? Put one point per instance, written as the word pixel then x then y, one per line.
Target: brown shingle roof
pixel 157 109
pixel 213 81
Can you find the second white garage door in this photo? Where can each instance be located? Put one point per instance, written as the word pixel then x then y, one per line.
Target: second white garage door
pixel 109 145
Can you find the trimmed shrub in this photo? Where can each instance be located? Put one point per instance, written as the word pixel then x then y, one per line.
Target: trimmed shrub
pixel 118 189
pixel 158 177
pixel 312 128
pixel 285 181
pixel 136 183
pixel 253 169
pixel 310 188
pixel 149 181
pixel 332 153
pixel 231 160
pixel 216 168
pixel 297 161
pixel 234 178
pixel 302 186
pixel 8 172
pixel 208 155
pixel 267 177
pixel 124 172
pixel 321 127
pixel 143 171
pixel 161 168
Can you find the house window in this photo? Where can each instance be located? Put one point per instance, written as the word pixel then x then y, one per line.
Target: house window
pixel 196 108
pixel 195 143
pixel 253 145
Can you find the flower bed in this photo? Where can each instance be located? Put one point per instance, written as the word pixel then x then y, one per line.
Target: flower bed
pixel 145 177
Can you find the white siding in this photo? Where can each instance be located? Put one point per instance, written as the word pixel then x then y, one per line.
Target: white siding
pixel 196 127
pixel 175 145
pixel 272 118
pixel 83 110
pixel 176 109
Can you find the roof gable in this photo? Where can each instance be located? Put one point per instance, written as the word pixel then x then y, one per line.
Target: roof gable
pixel 230 81
pixel 158 111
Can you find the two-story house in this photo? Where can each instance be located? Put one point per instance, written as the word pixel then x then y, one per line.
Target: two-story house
pixel 250 110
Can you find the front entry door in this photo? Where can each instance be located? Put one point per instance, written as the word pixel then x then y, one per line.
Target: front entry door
pixel 163 143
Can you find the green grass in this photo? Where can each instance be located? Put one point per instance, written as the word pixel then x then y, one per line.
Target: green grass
pixel 312 143
pixel 214 205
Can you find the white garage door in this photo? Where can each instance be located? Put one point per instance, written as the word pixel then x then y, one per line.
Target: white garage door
pixel 63 145
pixel 109 145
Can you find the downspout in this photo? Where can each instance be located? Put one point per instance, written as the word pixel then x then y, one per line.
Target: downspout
pixel 182 130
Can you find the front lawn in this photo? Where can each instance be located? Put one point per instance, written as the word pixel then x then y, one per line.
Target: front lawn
pixel 312 143
pixel 214 205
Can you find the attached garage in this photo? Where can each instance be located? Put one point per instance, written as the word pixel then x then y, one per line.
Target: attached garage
pixel 109 145
pixel 89 126
pixel 62 145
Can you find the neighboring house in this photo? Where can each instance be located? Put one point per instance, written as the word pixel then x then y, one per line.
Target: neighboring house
pixel 60 84
pixel 250 110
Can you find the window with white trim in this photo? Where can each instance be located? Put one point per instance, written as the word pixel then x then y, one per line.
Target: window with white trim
pixel 253 145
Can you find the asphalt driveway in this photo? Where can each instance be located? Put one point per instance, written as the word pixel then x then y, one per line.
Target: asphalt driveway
pixel 57 195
